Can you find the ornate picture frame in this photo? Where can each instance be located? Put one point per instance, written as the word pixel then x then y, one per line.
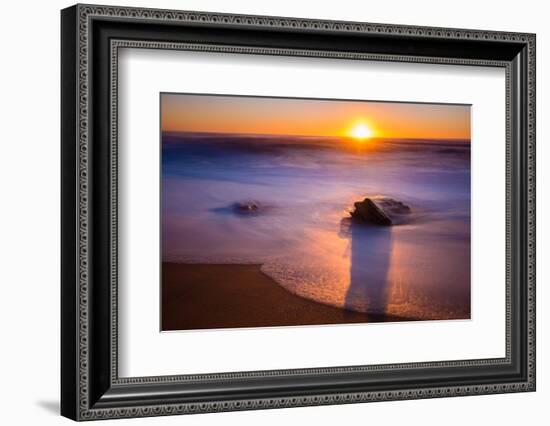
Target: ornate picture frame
pixel 91 37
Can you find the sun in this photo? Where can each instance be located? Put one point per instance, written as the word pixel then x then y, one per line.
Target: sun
pixel 361 131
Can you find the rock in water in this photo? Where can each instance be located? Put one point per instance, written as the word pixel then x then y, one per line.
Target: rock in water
pixel 247 207
pixel 382 211
pixel 368 211
pixel 393 207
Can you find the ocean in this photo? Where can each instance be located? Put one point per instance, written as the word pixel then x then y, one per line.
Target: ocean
pixel 284 202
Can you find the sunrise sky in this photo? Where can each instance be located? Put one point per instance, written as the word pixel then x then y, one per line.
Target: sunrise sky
pixel 312 117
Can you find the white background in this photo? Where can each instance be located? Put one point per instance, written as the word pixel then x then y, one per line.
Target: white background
pixel 146 352
pixel 29 225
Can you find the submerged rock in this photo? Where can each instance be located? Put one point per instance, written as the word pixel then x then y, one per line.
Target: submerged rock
pixel 247 207
pixel 382 211
pixel 393 207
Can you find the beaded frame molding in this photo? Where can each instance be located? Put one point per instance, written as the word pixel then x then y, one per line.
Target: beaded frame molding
pixel 91 39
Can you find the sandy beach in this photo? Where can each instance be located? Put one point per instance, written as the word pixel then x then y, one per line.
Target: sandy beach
pixel 205 296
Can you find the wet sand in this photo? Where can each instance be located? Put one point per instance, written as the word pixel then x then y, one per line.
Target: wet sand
pixel 202 296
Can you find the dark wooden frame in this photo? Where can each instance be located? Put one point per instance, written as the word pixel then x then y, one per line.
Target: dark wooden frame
pixel 91 37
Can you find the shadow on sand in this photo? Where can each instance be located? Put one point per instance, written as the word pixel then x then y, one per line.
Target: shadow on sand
pixel 370 250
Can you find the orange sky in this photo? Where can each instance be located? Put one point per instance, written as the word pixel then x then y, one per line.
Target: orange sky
pixel 310 117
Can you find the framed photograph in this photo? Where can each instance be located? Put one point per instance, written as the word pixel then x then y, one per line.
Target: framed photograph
pixel 278 211
pixel 264 212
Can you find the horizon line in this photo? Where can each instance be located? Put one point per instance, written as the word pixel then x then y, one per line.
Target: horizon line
pixel 314 136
